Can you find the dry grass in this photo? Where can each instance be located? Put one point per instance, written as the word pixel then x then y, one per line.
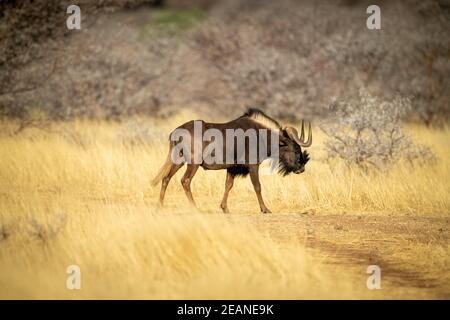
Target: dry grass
pixel 81 195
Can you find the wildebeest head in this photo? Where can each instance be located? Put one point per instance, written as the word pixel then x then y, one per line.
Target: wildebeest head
pixel 292 158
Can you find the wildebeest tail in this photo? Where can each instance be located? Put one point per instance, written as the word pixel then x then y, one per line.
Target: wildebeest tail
pixel 164 171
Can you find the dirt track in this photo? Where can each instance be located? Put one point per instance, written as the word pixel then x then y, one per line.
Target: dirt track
pixel 411 251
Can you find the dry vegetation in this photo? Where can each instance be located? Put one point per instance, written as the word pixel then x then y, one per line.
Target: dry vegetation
pixel 79 193
pixel 287 57
pixel 84 123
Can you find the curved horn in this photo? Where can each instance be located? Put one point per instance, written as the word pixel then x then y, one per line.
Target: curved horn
pixel 293 134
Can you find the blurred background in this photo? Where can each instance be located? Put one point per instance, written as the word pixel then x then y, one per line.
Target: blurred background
pixel 156 57
pixel 85 116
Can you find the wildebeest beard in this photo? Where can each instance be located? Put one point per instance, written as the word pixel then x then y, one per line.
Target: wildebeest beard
pixel 290 155
pixel 285 168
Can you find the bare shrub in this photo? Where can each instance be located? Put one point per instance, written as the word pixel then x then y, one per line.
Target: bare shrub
pixel 366 131
pixel 289 57
pixel 47 231
pixel 5 231
pixel 286 57
pixel 33 118
pixel 39 59
pixel 260 63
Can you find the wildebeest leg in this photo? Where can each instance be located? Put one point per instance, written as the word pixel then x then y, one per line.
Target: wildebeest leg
pixel 228 185
pixel 253 169
pixel 166 180
pixel 186 180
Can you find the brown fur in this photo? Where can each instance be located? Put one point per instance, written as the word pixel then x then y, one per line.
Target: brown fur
pixel 291 157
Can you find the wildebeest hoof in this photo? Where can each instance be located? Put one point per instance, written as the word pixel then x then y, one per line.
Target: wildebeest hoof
pixel 225 210
pixel 266 210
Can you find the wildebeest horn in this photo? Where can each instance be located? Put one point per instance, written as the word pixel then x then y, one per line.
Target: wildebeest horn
pixel 293 134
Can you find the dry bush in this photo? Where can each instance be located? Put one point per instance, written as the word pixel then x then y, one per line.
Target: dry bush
pixel 49 230
pixel 366 131
pixel 287 57
pixel 5 232
pixel 290 57
pixel 35 63
pixel 263 64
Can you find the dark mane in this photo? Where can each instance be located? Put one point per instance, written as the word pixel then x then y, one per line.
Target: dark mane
pixel 259 116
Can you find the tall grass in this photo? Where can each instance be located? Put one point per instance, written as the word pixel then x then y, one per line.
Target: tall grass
pixel 81 195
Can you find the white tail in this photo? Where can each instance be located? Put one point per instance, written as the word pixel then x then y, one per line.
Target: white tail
pixel 164 171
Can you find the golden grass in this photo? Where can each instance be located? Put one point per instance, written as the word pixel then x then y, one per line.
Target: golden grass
pixel 81 195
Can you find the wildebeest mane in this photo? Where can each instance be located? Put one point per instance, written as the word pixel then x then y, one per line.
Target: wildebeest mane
pixel 262 118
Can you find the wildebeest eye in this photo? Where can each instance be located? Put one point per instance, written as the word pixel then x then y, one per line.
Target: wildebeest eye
pixel 283 144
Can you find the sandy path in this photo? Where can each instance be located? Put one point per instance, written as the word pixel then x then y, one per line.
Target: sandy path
pixel 412 252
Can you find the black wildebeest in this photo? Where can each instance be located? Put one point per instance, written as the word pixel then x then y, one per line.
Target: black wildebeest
pixel 290 156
